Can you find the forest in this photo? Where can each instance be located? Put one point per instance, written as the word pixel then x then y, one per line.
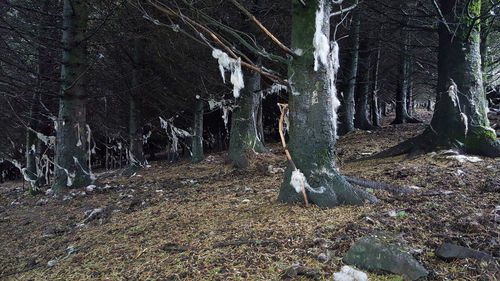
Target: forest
pixel 345 140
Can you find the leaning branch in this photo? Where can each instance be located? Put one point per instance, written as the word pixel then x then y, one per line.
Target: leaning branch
pixel 171 12
pixel 256 21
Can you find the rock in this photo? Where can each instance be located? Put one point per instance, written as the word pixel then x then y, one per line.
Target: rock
pixel 90 188
pixel 67 197
pixel 324 257
pixel 49 192
pixel 52 263
pixel 42 202
pixel 452 251
pixel 373 253
pixel 92 215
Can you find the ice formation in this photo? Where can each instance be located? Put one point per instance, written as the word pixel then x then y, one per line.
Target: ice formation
pixel 232 65
pixel 298 179
pixel 348 273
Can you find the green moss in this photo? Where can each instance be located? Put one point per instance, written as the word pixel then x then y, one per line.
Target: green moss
pixel 475 8
pixel 479 138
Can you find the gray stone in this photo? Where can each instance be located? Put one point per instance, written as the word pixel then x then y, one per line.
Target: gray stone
pixel 375 253
pixel 452 251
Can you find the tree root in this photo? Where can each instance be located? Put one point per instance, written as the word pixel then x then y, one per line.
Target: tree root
pixel 378 185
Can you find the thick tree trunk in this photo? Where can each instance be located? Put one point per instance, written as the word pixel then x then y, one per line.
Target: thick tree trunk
pixel 136 141
pixel 244 137
pixel 460 60
pixel 313 117
pixel 197 140
pixel 71 165
pixel 362 89
pixel 346 111
pixel 459 119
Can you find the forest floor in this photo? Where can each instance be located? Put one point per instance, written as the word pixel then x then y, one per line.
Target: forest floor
pixel 208 221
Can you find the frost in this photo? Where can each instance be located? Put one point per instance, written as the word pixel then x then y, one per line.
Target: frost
pixel 298 179
pixel 232 65
pixel 320 41
pixel 464 120
pixel 299 52
pixel 146 137
pixel 174 133
pixel 275 88
pixel 463 158
pixel 348 273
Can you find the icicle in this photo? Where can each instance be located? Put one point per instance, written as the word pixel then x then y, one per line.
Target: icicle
pixel 232 65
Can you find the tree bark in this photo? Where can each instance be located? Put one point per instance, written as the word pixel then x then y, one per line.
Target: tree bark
pixel 346 111
pixel 243 136
pixel 313 117
pixel 136 132
pixel 71 166
pixel 375 112
pixel 459 59
pixel 197 139
pixel 362 89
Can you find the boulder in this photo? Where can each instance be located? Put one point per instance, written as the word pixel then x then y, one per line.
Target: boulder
pixel 452 251
pixel 375 253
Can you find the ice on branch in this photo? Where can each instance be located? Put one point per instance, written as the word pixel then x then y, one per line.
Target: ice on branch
pixel 234 66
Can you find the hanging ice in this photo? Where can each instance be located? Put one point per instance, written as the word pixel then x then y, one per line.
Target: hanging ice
pixel 232 65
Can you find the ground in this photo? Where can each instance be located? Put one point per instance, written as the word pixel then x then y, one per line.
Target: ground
pixel 208 221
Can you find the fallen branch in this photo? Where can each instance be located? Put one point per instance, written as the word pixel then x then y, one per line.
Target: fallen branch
pixel 244 242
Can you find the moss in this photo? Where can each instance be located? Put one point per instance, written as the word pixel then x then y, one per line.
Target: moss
pixel 479 138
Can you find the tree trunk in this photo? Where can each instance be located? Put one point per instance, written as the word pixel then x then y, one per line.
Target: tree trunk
pixel 244 137
pixel 260 120
pixel 362 89
pixel 71 165
pixel 346 111
pixel 459 60
pixel 197 140
pixel 313 118
pixel 402 115
pixel 136 142
pixel 375 112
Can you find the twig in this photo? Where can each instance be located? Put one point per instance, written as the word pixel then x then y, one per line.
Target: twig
pixel 256 21
pixel 284 108
pixel 244 242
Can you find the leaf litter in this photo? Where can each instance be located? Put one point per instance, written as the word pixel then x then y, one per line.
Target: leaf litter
pixel 208 221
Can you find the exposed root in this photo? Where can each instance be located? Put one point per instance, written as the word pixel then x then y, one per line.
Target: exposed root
pixel 378 185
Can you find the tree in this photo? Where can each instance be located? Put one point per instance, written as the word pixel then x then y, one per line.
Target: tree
pixel 197 139
pixel 313 110
pixel 244 132
pixel 460 119
pixel 71 155
pixel 346 111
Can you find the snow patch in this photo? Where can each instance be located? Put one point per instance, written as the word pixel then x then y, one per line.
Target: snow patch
pixel 348 273
pixel 464 158
pixel 232 65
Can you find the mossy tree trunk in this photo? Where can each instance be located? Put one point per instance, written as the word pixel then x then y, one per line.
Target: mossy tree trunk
pixel 244 137
pixel 313 103
pixel 197 139
pixel 346 111
pixel 459 60
pixel 362 88
pixel 459 120
pixel 71 165
pixel 136 140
